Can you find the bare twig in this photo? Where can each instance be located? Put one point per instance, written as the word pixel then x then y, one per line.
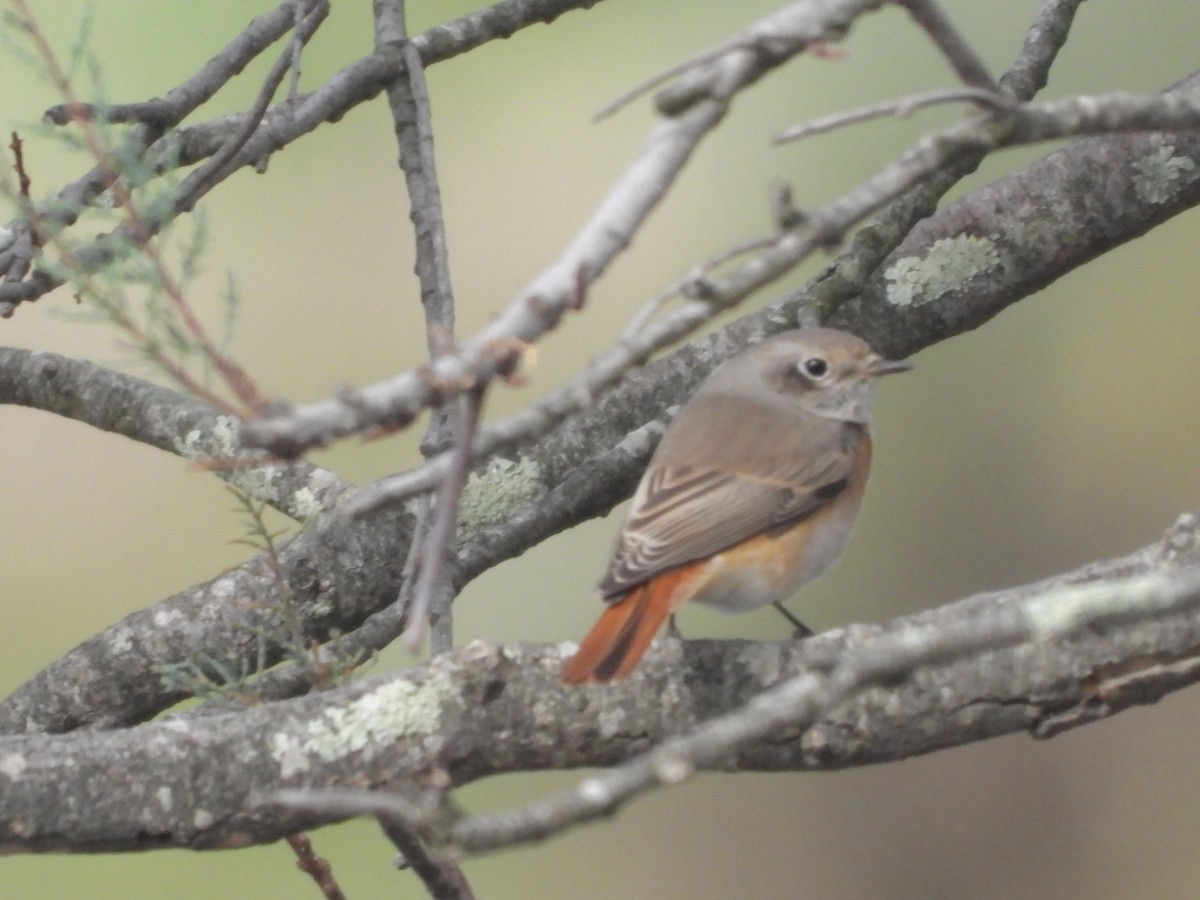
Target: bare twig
pixel 197 90
pixel 200 182
pixel 1043 40
pixel 441 875
pixel 615 105
pixel 610 230
pixel 970 68
pixel 283 124
pixel 408 97
pixel 443 878
pixel 431 565
pixel 23 181
pixel 901 108
pixel 764 45
pixel 316 867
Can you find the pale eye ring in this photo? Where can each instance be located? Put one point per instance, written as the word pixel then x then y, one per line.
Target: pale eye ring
pixel 816 367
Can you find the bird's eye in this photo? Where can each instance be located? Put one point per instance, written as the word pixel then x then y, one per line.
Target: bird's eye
pixel 816 367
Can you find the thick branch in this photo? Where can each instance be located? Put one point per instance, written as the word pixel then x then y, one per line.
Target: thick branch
pixel 163 418
pixel 1006 240
pixel 229 625
pixel 1126 632
pixel 1021 232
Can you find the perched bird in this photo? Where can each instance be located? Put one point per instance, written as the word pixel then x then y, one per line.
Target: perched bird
pixel 752 492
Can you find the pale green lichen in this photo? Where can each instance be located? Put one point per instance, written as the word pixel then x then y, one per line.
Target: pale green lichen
pixel 168 618
pixel 610 722
pixel 220 444
pixel 120 639
pixel 490 497
pixel 545 711
pixel 13 765
pixel 1070 607
pixel 950 263
pixel 260 480
pixel 1161 175
pixel 641 441
pixel 306 505
pixel 375 720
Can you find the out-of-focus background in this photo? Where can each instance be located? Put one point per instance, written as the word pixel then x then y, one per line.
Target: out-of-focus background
pixel 1065 430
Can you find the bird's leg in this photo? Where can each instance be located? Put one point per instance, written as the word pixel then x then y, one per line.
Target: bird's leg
pixel 802 630
pixel 673 631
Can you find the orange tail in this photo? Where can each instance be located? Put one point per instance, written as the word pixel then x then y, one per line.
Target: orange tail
pixel 619 640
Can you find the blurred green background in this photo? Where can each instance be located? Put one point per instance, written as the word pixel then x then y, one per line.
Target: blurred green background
pixel 1063 431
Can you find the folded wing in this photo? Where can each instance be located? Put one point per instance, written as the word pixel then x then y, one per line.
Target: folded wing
pixel 681 513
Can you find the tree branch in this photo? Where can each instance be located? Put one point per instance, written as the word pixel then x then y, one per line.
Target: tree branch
pixel 166 419
pixel 397 400
pixel 539 307
pixel 843 280
pixel 282 124
pixel 970 68
pixel 563 480
pixel 425 578
pixel 1125 632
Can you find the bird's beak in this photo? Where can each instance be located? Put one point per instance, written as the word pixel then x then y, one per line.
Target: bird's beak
pixel 880 366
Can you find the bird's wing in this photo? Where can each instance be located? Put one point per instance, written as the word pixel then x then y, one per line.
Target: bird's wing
pixel 687 512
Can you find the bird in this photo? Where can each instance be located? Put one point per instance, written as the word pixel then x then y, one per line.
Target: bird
pixel 752 492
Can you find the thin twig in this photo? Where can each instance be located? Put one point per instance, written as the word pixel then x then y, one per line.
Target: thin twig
pixel 297 44
pixel 609 232
pixel 408 96
pixel 186 97
pixel 615 105
pixel 23 181
pixel 901 108
pixel 285 123
pixel 200 182
pixel 970 68
pixel 316 867
pixel 398 816
pixel 139 229
pixel 433 555
pixel 1043 40
pixel 443 878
